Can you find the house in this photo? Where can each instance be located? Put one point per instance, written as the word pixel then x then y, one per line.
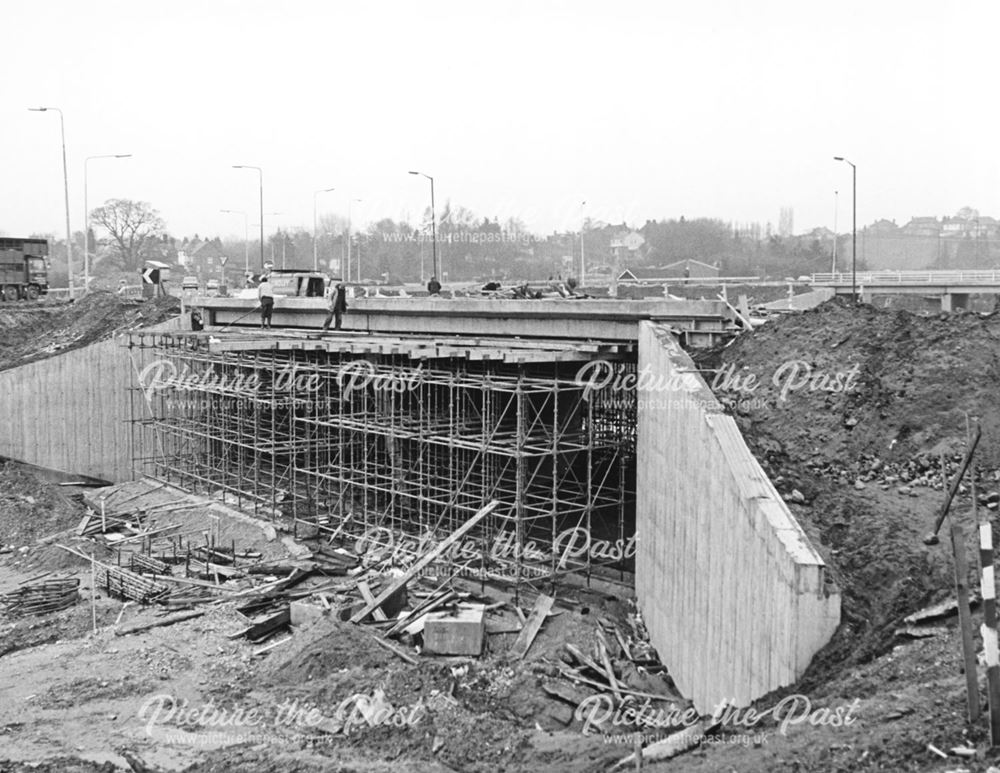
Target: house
pixel 922 226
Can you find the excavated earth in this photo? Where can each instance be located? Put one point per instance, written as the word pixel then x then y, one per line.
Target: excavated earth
pixel 32 331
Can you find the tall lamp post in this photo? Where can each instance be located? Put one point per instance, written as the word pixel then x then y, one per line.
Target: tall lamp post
pixel 836 208
pixel 315 249
pixel 347 275
pixel 260 174
pixel 246 236
pixel 69 234
pixel 436 267
pixel 86 218
pixel 583 230
pixel 854 227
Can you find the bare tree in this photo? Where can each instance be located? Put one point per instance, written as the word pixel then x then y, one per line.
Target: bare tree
pixel 130 225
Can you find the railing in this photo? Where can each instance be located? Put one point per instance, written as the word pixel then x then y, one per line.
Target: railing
pixel 911 277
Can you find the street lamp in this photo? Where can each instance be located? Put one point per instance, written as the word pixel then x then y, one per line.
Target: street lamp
pixel 583 230
pixel 836 209
pixel 69 234
pixel 854 227
pixel 86 218
pixel 437 268
pixel 315 250
pixel 347 275
pixel 246 236
pixel 260 174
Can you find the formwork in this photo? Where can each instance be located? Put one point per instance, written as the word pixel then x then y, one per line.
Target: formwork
pixel 391 443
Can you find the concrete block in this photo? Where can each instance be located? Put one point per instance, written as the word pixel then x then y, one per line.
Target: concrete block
pixel 305 612
pixel 456 633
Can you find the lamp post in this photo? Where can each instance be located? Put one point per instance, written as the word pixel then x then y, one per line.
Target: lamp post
pixel 315 250
pixel 69 234
pixel 86 218
pixel 436 268
pixel 246 236
pixel 583 228
pixel 260 174
pixel 836 208
pixel 854 227
pixel 347 274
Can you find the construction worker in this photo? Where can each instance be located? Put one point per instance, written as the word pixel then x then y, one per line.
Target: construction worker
pixel 338 307
pixel 266 295
pixel 434 286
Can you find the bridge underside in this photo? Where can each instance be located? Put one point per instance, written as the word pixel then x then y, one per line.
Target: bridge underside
pixel 399 439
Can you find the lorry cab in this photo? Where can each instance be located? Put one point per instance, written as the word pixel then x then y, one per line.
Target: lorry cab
pixel 298 284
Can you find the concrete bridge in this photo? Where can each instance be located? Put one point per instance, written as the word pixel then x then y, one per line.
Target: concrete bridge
pixel 699 323
pixel 953 287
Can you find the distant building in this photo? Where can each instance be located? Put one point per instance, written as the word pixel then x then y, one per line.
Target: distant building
pixel 922 226
pixel 626 246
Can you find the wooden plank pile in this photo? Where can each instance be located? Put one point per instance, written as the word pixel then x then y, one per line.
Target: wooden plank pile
pixel 122 583
pixel 41 595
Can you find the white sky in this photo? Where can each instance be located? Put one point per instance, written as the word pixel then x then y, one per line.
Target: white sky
pixel 729 109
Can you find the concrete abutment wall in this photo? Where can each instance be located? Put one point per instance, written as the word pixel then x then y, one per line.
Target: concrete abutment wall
pixel 734 596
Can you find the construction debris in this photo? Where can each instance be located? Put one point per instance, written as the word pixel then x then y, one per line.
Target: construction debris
pixel 39 596
pixel 456 632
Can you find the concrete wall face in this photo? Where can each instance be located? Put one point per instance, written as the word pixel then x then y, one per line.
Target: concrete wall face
pixel 732 593
pixel 70 412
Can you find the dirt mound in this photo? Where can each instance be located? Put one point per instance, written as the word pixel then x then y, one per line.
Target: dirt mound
pixel 325 648
pixel 34 331
pixel 860 466
pixel 30 508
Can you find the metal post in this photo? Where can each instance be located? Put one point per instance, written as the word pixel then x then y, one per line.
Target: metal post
pixel 836 202
pixel 435 265
pixel 434 246
pixel 69 233
pixel 315 247
pixel 854 232
pixel 854 227
pixel 260 174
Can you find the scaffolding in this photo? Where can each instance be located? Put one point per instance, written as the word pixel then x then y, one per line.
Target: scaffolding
pixel 390 446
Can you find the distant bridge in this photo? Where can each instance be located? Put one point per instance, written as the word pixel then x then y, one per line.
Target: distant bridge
pixel 953 287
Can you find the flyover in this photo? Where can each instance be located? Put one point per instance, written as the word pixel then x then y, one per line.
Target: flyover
pixel 699 323
pixel 952 287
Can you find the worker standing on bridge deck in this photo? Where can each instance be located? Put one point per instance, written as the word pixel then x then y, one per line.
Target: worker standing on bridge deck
pixel 434 286
pixel 266 295
pixel 338 307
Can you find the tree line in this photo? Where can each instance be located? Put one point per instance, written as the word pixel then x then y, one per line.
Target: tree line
pixel 125 233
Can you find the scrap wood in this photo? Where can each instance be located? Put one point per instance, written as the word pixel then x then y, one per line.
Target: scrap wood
pixel 268 647
pixel 369 597
pixel 168 620
pixel 424 561
pixel 574 675
pixel 672 745
pixel 584 659
pixel 921 632
pixel 397 651
pixel 543 605
pixel 41 595
pixel 285 567
pixel 413 622
pixel 259 630
pixel 602 649
pixel 571 694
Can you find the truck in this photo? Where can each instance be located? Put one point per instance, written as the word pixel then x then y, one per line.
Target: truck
pixel 24 268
